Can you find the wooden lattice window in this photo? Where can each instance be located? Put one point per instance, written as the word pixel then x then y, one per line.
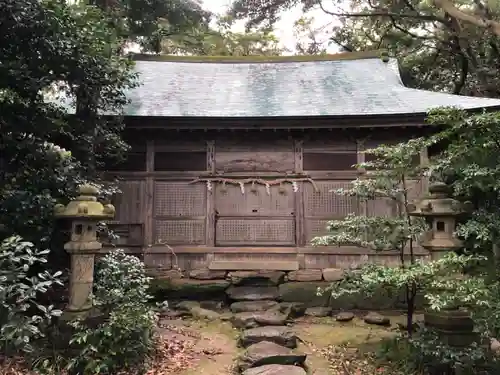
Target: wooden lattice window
pixel 134 162
pixel 179 212
pixel 375 144
pixel 415 161
pixel 329 161
pixel 180 161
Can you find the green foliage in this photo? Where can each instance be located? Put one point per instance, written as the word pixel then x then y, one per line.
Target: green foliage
pixel 466 159
pixel 387 179
pixel 125 338
pixel 54 52
pixel 220 40
pixel 22 317
pixel 469 162
pixel 438 280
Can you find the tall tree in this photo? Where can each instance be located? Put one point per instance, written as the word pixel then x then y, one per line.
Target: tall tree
pixel 310 40
pixel 70 47
pixel 221 40
pixel 449 45
pixel 149 22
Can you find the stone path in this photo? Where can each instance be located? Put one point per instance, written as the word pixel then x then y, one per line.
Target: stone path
pixel 264 337
pixel 269 343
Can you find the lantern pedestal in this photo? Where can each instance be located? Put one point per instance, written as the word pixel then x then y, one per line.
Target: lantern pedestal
pixel 454 327
pixel 80 285
pixel 86 212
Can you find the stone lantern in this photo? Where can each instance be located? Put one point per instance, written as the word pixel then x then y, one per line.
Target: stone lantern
pixel 441 212
pixel 85 212
pixel 454 325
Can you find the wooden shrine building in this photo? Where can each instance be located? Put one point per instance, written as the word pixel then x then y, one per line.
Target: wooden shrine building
pixel 233 159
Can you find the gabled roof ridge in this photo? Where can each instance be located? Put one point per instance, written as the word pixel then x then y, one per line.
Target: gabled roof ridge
pixel 262 59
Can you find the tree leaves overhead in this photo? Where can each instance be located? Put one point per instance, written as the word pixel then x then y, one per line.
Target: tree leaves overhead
pixel 262 11
pixel 220 40
pixel 442 45
pixel 150 21
pixel 54 47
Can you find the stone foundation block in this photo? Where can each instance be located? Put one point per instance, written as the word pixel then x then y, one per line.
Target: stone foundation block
pixel 206 274
pixel 305 292
pixel 258 278
pixel 252 293
pixel 305 275
pixel 333 274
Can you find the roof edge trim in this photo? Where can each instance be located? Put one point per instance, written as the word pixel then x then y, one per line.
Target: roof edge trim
pixel 261 59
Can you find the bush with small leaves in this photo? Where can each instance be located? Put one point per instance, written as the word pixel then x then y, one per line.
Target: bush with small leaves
pixel 22 317
pixel 125 337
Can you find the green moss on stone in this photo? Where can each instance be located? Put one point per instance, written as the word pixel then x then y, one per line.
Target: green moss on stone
pixel 199 290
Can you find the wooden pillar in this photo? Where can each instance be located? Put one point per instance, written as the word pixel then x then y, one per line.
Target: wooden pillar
pixel 424 161
pixel 363 206
pixel 210 218
pixel 149 205
pixel 299 196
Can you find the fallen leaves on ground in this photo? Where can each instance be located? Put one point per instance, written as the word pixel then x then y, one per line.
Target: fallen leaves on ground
pixel 171 355
pixel 349 361
pixel 13 366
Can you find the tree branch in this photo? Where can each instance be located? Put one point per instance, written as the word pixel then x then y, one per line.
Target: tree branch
pixel 448 7
pixel 384 13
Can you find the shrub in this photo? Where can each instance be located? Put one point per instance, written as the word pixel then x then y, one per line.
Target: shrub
pixel 125 338
pixel 22 318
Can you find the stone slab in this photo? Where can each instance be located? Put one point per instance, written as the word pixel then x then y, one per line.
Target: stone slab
pixel 252 293
pixel 333 274
pixel 306 275
pixel 252 306
pixel 189 289
pixel 305 292
pixel 319 311
pixel 269 353
pixel 247 320
pixel 275 370
pixel 256 277
pixel 283 336
pixel 206 274
pixel 255 265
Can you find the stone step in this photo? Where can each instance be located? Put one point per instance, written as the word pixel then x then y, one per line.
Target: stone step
pixel 275 370
pixel 252 293
pixel 253 265
pixel 248 320
pixel 269 353
pixel 283 336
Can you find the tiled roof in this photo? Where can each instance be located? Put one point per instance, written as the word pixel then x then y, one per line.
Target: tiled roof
pixel 341 87
pixel 336 85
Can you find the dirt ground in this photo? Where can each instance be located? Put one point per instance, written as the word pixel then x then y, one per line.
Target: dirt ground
pixel 209 348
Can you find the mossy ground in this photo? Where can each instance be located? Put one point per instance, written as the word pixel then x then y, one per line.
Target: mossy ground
pixel 330 345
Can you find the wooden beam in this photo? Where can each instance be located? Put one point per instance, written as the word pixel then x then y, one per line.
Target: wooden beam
pixel 299 195
pixel 149 199
pixel 290 250
pixel 210 215
pixel 363 206
pixel 267 265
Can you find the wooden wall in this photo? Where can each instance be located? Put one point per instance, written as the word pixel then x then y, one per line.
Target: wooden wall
pixel 165 198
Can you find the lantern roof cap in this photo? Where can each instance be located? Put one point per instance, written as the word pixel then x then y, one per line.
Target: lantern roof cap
pixel 439 188
pixel 85 206
pixel 437 203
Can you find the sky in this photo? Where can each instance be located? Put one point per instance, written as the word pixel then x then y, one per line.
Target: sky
pixel 284 27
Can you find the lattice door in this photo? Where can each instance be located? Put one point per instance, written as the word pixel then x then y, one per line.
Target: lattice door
pixel 258 218
pixel 179 213
pixel 323 205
